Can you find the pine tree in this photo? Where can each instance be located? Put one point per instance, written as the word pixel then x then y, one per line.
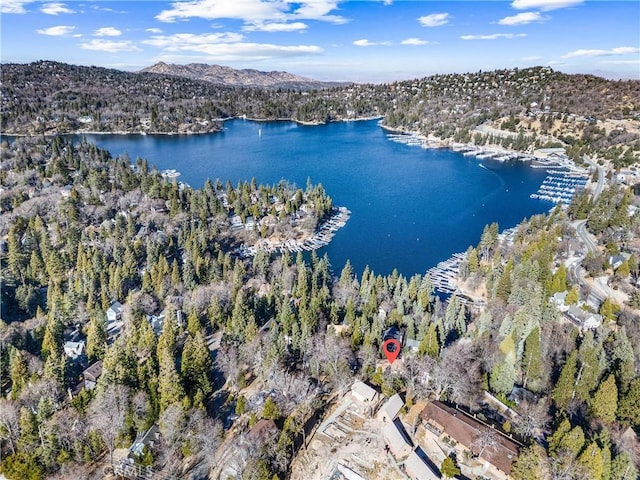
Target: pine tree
pixel 96 338
pixel 503 374
pixel 530 464
pixel 429 344
pixel 605 400
pixel 532 361
pixel 196 366
pixel 622 468
pixel 170 387
pixel 19 372
pixel 589 369
pixel 563 392
pixel 503 289
pixel 52 341
pixel 628 410
pixel 270 410
pixel 449 468
pixel 572 296
pixel 591 460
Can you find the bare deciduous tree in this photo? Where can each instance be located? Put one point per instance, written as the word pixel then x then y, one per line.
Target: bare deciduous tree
pixel 228 361
pixel 486 441
pixel 9 422
pixel 107 413
pixel 533 418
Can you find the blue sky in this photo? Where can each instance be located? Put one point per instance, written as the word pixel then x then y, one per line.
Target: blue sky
pixel 362 41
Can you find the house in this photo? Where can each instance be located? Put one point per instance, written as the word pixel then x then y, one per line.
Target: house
pixel 559 299
pixel 364 394
pixel 384 309
pixel 617 260
pixel 585 319
pixel 157 322
pixel 73 350
pixel 114 312
pixel 391 408
pixel 397 439
pixel 92 374
pixel 394 333
pixel 419 467
pixel 90 378
pixel 412 344
pixel 235 222
pixel 144 439
pixel 443 421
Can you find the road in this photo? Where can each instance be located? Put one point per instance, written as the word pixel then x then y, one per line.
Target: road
pixel 576 272
pixel 600 182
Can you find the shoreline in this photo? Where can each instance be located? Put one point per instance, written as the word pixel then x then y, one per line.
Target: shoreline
pixel 222 120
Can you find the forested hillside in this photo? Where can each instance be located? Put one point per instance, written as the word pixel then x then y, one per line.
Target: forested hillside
pixel 529 107
pixel 81 237
pixel 129 314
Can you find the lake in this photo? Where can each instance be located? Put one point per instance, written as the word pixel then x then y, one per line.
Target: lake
pixel 411 207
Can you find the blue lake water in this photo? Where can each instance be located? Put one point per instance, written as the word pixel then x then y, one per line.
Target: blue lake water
pixel 411 207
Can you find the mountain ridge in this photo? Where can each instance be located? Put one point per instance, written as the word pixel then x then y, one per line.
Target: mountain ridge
pixel 248 77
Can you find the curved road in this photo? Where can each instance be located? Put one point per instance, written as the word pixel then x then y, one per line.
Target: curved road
pixel 576 271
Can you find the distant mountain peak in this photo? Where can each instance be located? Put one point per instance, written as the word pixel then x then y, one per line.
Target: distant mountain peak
pixel 223 75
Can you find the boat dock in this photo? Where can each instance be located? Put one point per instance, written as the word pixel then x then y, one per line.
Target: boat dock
pixel 444 275
pixel 321 237
pixel 561 186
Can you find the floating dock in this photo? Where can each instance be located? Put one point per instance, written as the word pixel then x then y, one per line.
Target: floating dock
pixel 321 237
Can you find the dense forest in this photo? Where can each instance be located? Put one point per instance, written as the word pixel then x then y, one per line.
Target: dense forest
pixel 80 237
pixel 127 309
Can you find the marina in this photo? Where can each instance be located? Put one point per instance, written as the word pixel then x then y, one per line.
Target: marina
pixel 561 186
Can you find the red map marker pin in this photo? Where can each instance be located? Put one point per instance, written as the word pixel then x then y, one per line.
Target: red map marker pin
pixel 391 349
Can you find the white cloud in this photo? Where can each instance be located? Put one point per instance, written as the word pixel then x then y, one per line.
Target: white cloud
pixel 531 58
pixel 180 41
pixel 434 20
pixel 253 11
pixel 55 9
pixel 544 5
pixel 107 9
pixel 226 46
pixel 493 36
pixel 523 18
pixel 363 42
pixel 58 31
pixel 153 30
pixel 13 6
pixel 275 27
pixel 602 53
pixel 107 32
pixel 248 51
pixel 110 46
pixel 414 41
